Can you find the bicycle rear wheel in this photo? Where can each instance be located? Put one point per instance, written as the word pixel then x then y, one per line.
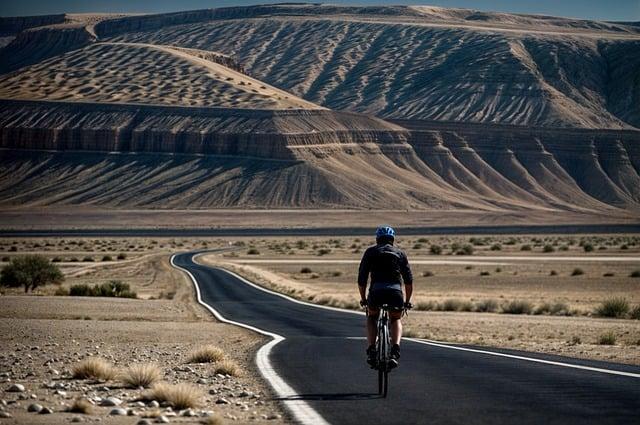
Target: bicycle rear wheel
pixel 385 380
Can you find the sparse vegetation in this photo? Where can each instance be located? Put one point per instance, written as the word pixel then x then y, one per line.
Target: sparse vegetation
pixel 107 258
pixel 435 250
pixel 517 307
pixel 81 405
pixel 113 288
pixel 427 273
pixel 228 367
pixel 635 313
pixel 496 247
pixel 548 248
pixel 30 271
pixel 525 247
pixel 554 309
pixel 94 368
pixel 305 270
pixel 607 338
pixel 486 306
pixel 577 272
pixel 587 247
pixel 635 273
pixel 206 354
pixel 141 375
pixel 122 256
pixel 179 396
pixel 253 251
pixel 613 307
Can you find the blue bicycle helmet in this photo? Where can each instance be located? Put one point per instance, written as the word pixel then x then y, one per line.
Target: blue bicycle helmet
pixel 385 232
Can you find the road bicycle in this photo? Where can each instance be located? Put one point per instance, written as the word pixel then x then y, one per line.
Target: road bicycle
pixel 383 348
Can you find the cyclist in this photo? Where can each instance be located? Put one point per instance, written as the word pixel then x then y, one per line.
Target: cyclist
pixel 389 268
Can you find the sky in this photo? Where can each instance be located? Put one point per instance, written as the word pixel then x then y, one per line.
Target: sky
pixel 608 10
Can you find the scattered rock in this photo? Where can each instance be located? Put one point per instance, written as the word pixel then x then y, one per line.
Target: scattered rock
pixel 162 420
pixel 45 411
pixel 111 401
pixel 118 411
pixel 245 394
pixel 16 388
pixel 273 416
pixel 143 422
pixel 222 401
pixel 154 404
pixel 34 407
pixel 4 414
pixel 76 419
pixel 188 413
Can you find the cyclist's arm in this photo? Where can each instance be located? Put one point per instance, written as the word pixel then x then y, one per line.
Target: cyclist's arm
pixel 407 278
pixel 363 274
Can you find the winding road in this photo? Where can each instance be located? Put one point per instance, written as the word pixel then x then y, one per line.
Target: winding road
pixel 315 363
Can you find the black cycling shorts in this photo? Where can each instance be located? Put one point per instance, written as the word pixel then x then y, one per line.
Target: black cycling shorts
pixel 393 297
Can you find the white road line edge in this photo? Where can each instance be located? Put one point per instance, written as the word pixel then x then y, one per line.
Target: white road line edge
pixel 300 410
pixel 528 359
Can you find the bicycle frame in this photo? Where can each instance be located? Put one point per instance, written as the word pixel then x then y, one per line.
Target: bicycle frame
pixel 383 348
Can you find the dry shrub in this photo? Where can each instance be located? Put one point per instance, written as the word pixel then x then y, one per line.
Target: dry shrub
pixel 213 420
pixel 228 367
pixel 94 368
pixel 179 396
pixel 206 354
pixel 613 307
pixel 607 338
pixel 81 405
pixel 141 375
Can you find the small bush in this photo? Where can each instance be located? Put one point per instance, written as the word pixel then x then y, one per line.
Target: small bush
pixel 122 256
pixel 141 375
pixel 517 307
pixel 107 258
pixel 486 306
pixel 94 368
pixel 555 309
pixel 61 291
pixel 56 260
pixel 613 307
pixel 548 248
pixel 6 259
pixel 81 405
pixel 496 247
pixel 451 305
pixel 465 250
pixel 426 306
pixel 577 272
pixel 305 270
pixel 576 340
pixel 179 396
pixel 608 274
pixel 435 250
pixel 253 251
pixel 337 273
pixel 206 354
pixel 80 290
pixel 417 246
pixel 228 367
pixel 427 273
pixel 525 248
pixel 635 273
pixel 635 313
pixel 624 247
pixel 607 338
pixel 485 273
pixel 553 273
pixel 88 259
pixel 587 247
pixel 324 251
pixel 113 288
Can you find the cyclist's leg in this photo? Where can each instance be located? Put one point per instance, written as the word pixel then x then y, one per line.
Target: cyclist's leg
pixel 395 326
pixel 372 325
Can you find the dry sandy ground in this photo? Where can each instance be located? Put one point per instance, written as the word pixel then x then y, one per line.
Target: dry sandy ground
pixel 91 217
pixel 42 337
pixel 513 276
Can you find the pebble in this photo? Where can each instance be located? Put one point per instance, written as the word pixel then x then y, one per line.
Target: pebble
pixel 162 420
pixel 76 419
pixel 111 401
pixel 4 414
pixel 16 388
pixel 273 416
pixel 222 401
pixel 34 407
pixel 118 411
pixel 188 413
pixel 143 422
pixel 45 411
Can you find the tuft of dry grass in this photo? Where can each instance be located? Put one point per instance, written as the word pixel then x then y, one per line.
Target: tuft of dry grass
pixel 179 396
pixel 141 375
pixel 81 405
pixel 94 368
pixel 228 367
pixel 607 338
pixel 206 354
pixel 213 420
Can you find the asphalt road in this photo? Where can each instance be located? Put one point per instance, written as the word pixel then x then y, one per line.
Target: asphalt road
pixel 322 358
pixel 321 231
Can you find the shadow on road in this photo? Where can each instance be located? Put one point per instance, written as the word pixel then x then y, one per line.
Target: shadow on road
pixel 336 397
